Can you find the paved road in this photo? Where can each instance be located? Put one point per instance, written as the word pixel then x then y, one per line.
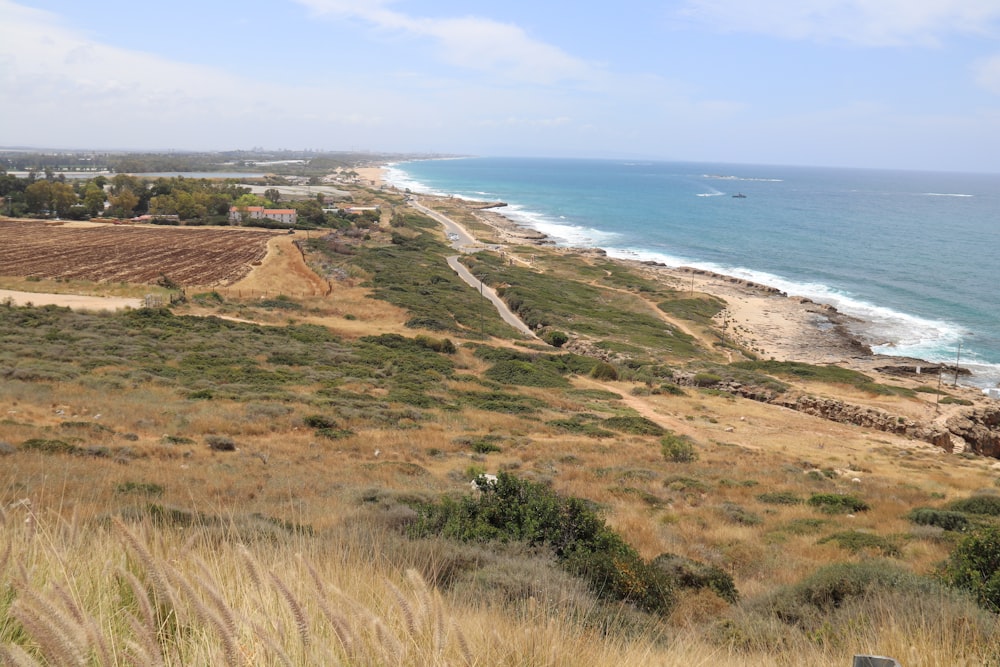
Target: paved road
pixel 465 242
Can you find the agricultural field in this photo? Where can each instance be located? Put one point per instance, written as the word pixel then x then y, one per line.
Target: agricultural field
pixel 127 254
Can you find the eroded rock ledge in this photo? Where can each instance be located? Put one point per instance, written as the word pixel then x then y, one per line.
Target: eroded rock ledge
pixel 975 429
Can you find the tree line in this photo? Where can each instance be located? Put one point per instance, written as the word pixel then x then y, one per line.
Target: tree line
pixel 193 200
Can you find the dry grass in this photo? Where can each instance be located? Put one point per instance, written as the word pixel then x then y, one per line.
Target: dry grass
pixel 297 561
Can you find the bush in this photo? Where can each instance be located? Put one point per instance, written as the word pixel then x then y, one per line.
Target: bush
pixel 633 424
pixel 140 488
pixel 982 505
pixel 220 443
pixel 706 379
pixel 944 519
pixel 974 566
pixel 525 374
pixel 602 370
pixel 691 574
pixel 739 515
pixel 555 338
pixel 49 446
pixel 856 542
pixel 836 503
pixel 319 421
pixel 811 600
pixel 514 510
pixel 678 449
pixel 780 498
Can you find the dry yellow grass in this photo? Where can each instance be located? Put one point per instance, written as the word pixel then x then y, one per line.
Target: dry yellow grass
pixel 257 602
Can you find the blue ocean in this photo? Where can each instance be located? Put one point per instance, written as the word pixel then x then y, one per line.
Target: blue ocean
pixel 912 255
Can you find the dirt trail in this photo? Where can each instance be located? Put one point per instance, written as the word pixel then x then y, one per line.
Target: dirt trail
pixel 74 301
pixel 284 271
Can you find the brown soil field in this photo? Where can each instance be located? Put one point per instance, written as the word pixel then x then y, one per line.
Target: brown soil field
pixel 129 254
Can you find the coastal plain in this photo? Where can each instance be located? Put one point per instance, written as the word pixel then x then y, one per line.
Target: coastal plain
pixel 259 450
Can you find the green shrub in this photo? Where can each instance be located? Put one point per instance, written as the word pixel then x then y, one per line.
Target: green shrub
pixel 974 566
pixel 856 542
pixel 319 421
pixel 442 345
pixel 486 444
pixel 139 488
pixel 981 504
pixel 739 515
pixel 602 370
pixel 691 574
pixel 555 338
pixel 706 379
pixel 514 510
pixel 49 446
pixel 678 448
pixel 633 424
pixel 525 374
pixel 780 498
pixel 810 602
pixel 836 503
pixel 954 400
pixel 944 519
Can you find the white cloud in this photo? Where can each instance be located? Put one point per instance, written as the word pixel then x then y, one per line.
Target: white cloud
pixel 863 22
pixel 469 42
pixel 987 73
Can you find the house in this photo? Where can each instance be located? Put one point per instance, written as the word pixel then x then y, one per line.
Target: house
pixel 238 214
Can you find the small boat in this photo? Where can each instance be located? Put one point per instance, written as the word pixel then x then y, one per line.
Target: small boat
pixel 739 195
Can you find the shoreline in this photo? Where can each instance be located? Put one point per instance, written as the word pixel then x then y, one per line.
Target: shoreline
pixel 761 318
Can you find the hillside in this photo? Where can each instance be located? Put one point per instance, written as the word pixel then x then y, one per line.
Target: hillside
pixel 276 469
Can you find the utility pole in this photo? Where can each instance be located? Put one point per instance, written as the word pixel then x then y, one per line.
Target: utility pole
pixel 482 297
pixel 958 360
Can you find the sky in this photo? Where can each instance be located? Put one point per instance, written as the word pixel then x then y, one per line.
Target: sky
pixel 910 84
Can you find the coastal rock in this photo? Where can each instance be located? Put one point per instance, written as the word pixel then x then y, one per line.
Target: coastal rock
pixel 979 428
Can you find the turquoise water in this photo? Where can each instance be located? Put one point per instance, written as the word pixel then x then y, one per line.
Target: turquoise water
pixel 913 255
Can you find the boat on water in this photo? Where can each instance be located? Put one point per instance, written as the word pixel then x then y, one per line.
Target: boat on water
pixel 739 195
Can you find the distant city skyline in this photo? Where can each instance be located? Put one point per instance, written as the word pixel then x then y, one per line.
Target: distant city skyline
pixel 910 84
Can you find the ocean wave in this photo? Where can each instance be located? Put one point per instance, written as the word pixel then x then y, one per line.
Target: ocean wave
pixel 726 177
pixel 945 194
pixel 561 232
pixel 887 331
pixel 710 194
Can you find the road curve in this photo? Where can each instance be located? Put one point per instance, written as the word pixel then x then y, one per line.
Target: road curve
pixel 465 242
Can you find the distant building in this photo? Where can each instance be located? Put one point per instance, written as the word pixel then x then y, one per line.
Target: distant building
pixel 238 214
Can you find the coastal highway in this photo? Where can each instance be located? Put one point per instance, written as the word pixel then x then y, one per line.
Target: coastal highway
pixel 462 240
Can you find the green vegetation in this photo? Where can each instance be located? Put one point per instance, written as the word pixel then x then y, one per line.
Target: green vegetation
pixel 984 505
pixel 678 448
pixel 780 498
pixel 856 542
pixel 831 374
pixel 836 503
pixel 563 299
pixel 974 566
pixel 700 310
pixel 944 519
pixel 513 510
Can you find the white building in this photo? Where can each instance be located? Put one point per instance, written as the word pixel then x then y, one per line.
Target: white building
pixel 238 214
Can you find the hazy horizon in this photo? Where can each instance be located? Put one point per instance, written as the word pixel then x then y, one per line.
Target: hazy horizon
pixel 839 83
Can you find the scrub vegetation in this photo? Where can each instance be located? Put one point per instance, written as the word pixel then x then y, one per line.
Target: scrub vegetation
pixel 293 481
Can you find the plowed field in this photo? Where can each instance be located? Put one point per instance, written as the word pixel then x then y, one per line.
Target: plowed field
pixel 108 253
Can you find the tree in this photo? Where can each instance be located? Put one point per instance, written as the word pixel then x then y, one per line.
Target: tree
pixel 50 197
pixel 93 199
pixel 124 203
pixel 63 198
pixel 974 566
pixel 273 194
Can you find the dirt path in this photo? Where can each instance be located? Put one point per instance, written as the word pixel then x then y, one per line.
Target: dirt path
pixel 284 271
pixel 74 301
